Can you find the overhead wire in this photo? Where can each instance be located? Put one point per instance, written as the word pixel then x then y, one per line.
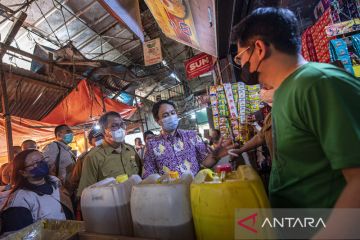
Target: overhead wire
pixel 87 25
pixel 59 42
pixel 63 16
pixel 51 29
pixel 24 5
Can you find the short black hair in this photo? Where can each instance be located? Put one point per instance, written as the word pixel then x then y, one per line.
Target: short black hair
pixel 94 134
pixel 28 141
pixel 156 107
pixel 104 119
pixel 218 134
pixel 148 132
pixel 277 26
pixel 60 128
pixel 217 131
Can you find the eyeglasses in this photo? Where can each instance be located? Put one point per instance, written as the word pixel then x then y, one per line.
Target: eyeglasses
pixel 237 58
pixel 117 126
pixel 36 163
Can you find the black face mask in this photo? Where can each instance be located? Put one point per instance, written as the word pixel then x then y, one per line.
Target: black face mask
pixel 250 78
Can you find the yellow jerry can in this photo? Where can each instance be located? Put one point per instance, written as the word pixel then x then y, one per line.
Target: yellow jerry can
pixel 214 203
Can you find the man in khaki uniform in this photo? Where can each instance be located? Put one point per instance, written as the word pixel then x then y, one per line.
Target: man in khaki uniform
pixel 95 138
pixel 113 157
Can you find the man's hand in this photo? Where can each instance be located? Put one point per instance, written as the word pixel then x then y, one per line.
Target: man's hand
pixel 226 147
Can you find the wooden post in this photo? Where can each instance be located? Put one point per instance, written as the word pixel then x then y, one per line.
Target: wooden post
pixel 4 97
pixel 146 123
pixel 86 141
pixel 50 67
pixel 6 115
pixel 220 79
pixel 103 99
pixel 141 125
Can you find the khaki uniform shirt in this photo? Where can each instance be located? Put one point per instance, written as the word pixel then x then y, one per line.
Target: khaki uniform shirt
pixel 76 173
pixel 67 158
pixel 104 161
pixel 266 133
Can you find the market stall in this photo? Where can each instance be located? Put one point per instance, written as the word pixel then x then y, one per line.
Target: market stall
pixel 335 35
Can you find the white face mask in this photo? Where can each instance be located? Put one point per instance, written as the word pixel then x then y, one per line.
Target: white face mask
pixel 99 142
pixel 267 95
pixel 118 135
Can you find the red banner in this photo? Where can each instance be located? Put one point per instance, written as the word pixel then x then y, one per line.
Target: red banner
pixel 198 65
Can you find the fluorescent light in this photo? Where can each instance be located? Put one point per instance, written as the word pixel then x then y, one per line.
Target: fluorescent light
pixel 173 75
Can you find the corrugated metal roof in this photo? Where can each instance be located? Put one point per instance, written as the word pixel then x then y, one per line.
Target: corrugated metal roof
pixel 98 36
pixel 90 28
pixel 29 98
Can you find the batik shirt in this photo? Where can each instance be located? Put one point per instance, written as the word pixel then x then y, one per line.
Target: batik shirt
pixel 182 152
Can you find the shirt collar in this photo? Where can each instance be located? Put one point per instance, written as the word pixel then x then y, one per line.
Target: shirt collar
pixel 67 147
pixel 109 149
pixel 167 136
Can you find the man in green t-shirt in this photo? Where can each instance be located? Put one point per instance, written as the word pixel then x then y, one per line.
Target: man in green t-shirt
pixel 316 114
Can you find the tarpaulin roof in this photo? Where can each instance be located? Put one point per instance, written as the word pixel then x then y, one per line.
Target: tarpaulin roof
pixel 85 104
pixel 23 129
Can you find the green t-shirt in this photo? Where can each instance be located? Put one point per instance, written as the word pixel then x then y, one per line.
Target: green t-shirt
pixel 316 133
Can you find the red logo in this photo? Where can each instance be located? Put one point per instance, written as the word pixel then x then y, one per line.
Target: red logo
pixel 200 64
pixel 247 227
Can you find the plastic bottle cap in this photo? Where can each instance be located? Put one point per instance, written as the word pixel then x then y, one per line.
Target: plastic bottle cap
pixel 223 168
pixel 174 175
pixel 122 178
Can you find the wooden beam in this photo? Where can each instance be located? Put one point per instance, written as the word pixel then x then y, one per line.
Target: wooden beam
pixel 36 58
pixel 141 120
pixel 88 63
pixel 122 90
pixel 4 97
pixel 4 47
pixel 35 78
pixel 12 32
pixel 5 8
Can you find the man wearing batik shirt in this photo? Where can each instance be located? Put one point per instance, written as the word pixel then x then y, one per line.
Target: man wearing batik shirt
pixel 176 149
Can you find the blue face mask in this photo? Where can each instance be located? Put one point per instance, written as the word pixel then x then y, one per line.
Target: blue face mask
pixel 41 170
pixel 98 142
pixel 68 138
pixel 170 123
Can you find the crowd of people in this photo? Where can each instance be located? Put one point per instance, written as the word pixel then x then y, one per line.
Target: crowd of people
pixel 49 183
pixel 312 135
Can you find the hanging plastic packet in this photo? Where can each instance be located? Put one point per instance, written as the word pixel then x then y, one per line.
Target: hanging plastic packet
pixel 339 51
pixel 356 43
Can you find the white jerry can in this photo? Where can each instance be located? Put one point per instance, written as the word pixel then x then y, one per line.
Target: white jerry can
pixel 162 211
pixel 105 206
